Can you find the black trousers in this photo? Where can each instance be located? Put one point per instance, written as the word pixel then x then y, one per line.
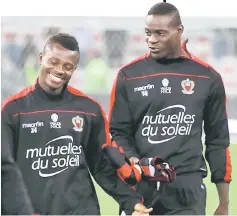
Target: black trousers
pixel 188 201
pixel 185 196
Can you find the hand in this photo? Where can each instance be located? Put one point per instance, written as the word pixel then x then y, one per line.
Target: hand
pixel 222 210
pixel 140 209
pixel 157 169
pixel 134 160
pixel 127 171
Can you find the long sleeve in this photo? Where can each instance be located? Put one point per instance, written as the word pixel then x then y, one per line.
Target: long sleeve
pixel 120 118
pixel 102 170
pixel 15 199
pixel 217 133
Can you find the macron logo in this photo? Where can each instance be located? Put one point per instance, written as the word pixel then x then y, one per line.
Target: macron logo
pixel 144 88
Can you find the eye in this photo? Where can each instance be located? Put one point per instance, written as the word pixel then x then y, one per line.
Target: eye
pixel 147 33
pixel 53 62
pixel 68 67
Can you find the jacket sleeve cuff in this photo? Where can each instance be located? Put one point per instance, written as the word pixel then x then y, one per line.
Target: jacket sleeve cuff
pixel 221 181
pixel 217 180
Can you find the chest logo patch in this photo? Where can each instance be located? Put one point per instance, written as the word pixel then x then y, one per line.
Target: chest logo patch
pixel 165 89
pixel 188 86
pixel 78 123
pixel 54 123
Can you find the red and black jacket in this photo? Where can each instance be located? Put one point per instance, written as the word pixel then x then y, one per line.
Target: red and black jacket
pixel 56 142
pixel 158 107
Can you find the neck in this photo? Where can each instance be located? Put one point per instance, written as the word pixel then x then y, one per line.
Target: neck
pixel 50 90
pixel 175 54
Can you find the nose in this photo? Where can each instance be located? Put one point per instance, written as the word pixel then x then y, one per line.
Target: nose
pixel 153 38
pixel 59 69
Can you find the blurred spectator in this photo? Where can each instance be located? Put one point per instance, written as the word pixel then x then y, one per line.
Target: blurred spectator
pixel 233 33
pixel 12 79
pixel 30 49
pixel 31 69
pixel 85 40
pixel 13 50
pixel 97 74
pixel 115 41
pixel 50 31
pixel 220 46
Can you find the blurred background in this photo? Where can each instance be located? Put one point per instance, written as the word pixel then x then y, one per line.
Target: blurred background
pixel 106 43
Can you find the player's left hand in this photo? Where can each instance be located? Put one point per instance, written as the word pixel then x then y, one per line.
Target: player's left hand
pixel 140 209
pixel 222 210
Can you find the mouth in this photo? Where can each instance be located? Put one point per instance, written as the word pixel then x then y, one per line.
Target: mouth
pixel 155 49
pixel 56 79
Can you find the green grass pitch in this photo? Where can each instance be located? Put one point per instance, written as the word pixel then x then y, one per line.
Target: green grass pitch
pixel 110 207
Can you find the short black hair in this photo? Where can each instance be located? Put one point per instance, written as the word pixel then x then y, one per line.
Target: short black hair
pixel 164 8
pixel 65 40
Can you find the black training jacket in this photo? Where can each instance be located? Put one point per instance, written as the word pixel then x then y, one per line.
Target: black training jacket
pixel 15 199
pixel 158 108
pixel 56 141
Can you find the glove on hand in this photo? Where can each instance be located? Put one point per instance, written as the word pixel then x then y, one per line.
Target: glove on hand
pixel 156 169
pixel 127 171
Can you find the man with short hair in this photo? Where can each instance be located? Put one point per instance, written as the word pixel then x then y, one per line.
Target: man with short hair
pixel 158 105
pixel 56 133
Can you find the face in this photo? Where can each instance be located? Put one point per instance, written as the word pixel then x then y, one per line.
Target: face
pixel 57 65
pixel 162 36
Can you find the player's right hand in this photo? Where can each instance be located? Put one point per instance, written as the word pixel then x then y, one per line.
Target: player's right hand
pixel 140 209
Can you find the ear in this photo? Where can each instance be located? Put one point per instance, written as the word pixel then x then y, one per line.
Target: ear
pixel 185 50
pixel 78 59
pixel 184 44
pixel 40 58
pixel 180 29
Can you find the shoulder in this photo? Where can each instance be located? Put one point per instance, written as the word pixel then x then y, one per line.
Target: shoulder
pixel 210 70
pixel 133 64
pixel 89 102
pixel 200 61
pixel 13 102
